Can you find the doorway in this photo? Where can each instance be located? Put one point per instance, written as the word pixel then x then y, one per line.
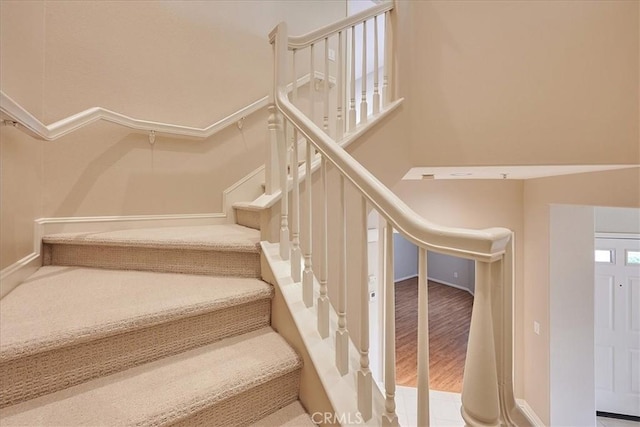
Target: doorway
pixel 617 325
pixel 572 306
pixel 451 283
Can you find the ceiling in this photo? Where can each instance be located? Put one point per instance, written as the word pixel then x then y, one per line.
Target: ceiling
pixel 504 172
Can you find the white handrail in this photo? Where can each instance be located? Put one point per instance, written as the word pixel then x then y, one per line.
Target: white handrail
pixel 16 113
pixel 298 42
pixel 482 245
pixel 485 245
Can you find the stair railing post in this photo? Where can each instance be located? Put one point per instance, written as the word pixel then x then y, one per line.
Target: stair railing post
pixel 271 166
pixel 340 90
pixel 480 399
pixel 342 335
pixel 423 339
pixel 386 78
pixel 296 272
pixel 325 88
pixel 352 82
pixel 364 377
pixel 307 235
pixel 323 298
pixel 364 109
pixel 376 89
pixel 389 417
pixel 281 128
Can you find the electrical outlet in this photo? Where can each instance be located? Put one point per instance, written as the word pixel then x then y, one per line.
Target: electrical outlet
pixel 536 327
pixel 455 274
pixel 332 54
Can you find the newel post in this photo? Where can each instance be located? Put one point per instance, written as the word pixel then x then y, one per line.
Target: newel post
pixel 278 40
pixel 480 400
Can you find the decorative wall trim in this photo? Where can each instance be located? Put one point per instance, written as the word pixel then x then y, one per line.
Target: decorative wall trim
pixel 14 274
pixel 12 111
pixel 529 413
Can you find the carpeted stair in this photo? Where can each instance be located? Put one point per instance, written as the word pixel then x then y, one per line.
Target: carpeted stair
pixel 112 332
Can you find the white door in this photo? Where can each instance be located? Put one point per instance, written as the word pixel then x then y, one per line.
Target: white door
pixel 617 326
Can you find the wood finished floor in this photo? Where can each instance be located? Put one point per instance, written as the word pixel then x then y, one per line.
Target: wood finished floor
pixel 449 319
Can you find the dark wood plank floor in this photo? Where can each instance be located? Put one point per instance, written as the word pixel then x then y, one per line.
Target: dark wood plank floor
pixel 449 319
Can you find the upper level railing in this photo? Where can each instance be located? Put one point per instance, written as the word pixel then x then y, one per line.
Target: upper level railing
pixel 11 111
pixel 315 124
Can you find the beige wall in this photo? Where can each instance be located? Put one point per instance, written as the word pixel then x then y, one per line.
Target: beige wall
pixel 615 188
pixel 188 63
pixel 20 192
pixel 477 204
pixel 524 82
pixel 22 70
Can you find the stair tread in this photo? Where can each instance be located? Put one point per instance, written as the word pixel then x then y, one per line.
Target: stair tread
pixel 166 390
pixel 223 237
pixel 61 306
pixel 292 415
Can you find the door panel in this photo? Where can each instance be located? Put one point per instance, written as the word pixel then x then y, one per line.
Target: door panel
pixel 617 326
pixel 604 375
pixel 634 304
pixel 604 314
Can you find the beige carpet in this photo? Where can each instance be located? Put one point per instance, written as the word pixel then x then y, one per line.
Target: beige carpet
pixel 215 250
pixel 109 334
pixel 226 237
pixel 293 415
pixel 171 389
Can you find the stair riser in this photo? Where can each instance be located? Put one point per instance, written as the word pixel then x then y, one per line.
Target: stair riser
pixel 244 408
pixel 248 218
pixel 213 263
pixel 28 377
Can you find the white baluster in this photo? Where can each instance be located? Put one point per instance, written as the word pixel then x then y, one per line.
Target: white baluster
pixel 376 93
pixel 339 90
pixel 423 339
pixel 271 166
pixel 480 402
pixel 389 417
pixel 294 92
pixel 295 210
pixel 364 383
pixel 323 298
pixel 352 86
pixel 325 121
pixel 342 335
pixel 388 63
pixel 307 275
pixel 363 102
pixel 312 84
pixel 295 191
pixel 284 200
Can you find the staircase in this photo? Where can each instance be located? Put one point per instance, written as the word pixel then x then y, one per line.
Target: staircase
pixel 145 327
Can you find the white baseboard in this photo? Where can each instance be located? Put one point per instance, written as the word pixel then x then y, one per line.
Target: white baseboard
pixel 16 273
pixel 529 413
pixel 453 285
pixel 99 224
pixel 411 276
